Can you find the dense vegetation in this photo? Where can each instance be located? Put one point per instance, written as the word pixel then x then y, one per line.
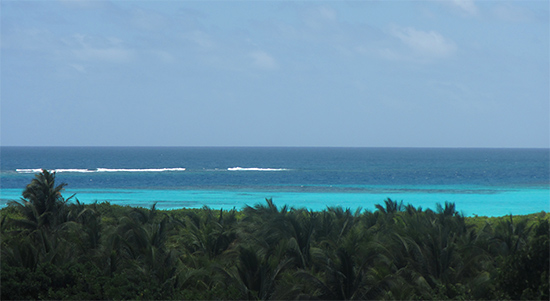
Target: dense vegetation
pixel 56 249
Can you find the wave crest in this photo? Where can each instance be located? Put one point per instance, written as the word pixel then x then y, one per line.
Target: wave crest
pixel 29 170
pixel 139 169
pixel 80 170
pixel 255 169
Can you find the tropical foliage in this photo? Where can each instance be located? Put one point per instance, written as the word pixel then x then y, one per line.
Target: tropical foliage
pixel 55 249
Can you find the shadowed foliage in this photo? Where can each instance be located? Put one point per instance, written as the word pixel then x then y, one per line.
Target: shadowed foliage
pixel 53 249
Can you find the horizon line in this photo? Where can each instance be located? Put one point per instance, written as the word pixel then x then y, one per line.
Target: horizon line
pixel 272 146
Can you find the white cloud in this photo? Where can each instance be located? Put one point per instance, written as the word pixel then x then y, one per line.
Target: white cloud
pixel 104 54
pixel 39 39
pixel 318 17
pixel 82 4
pixel 390 54
pixel 509 13
pixel 425 43
pixel 148 20
pixel 326 13
pixel 107 49
pixel 466 7
pixel 79 68
pixel 199 38
pixel 164 56
pixel 263 60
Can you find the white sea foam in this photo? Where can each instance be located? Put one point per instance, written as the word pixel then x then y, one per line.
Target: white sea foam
pixel 255 169
pixel 28 170
pixel 73 170
pixel 139 169
pixel 80 170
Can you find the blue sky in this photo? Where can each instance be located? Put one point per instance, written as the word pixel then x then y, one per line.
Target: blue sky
pixel 457 73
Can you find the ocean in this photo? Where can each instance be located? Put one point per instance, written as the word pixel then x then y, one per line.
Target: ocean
pixel 491 182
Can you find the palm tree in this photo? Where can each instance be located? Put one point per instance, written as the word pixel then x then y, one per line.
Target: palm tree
pixel 256 275
pixel 265 225
pixel 438 254
pixel 510 236
pixel 208 235
pixel 265 210
pixel 296 232
pixel 287 234
pixel 346 279
pixel 41 230
pixel 336 222
pixel 390 206
pixel 524 273
pixel 140 245
pixel 42 202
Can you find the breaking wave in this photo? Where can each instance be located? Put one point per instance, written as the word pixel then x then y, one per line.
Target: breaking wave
pixel 139 169
pixel 113 170
pixel 60 170
pixel 255 169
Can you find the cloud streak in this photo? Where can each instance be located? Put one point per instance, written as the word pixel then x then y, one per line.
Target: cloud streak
pixel 466 7
pixel 429 44
pixel 109 50
pixel 510 13
pixel 263 60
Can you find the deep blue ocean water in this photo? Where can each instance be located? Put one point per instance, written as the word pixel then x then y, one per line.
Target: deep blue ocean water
pixel 480 181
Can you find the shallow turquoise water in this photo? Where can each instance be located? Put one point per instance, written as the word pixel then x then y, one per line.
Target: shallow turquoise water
pixel 480 181
pixel 495 202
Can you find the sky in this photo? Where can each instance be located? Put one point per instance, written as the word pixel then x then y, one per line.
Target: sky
pixel 456 73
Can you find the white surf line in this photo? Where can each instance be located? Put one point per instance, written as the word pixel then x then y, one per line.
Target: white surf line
pixel 80 170
pixel 255 169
